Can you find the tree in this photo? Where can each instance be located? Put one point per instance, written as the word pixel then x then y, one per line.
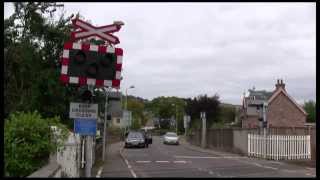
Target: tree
pixel 310 108
pixel 137 108
pixel 203 103
pixel 33 44
pixel 167 107
pixel 227 113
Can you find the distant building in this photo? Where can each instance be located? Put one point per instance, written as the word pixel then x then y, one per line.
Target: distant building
pixel 282 110
pixel 122 120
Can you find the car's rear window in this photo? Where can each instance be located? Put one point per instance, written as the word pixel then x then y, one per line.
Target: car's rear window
pixel 135 135
pixel 171 135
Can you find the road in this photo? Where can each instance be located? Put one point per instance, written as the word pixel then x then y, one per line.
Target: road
pixel 185 160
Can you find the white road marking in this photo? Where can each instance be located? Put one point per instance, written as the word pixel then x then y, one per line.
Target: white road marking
pixel 133 174
pixel 99 172
pixel 275 162
pixel 263 166
pixel 207 157
pixel 179 162
pixel 310 168
pixel 143 161
pixel 269 167
pixel 129 166
pixel 162 161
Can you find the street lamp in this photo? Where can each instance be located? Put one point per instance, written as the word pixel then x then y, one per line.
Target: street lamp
pixel 127 96
pixel 131 87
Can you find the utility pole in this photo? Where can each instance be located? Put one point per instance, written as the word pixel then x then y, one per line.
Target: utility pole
pixel 176 120
pixel 106 91
pixel 264 107
pixel 89 149
pixel 125 107
pixel 185 120
pixel 204 129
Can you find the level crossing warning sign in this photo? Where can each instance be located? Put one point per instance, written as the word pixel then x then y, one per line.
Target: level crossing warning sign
pixel 83 110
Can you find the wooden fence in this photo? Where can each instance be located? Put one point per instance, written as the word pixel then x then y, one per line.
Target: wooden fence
pixel 279 147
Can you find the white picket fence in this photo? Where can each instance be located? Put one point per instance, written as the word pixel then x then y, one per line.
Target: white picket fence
pixel 279 147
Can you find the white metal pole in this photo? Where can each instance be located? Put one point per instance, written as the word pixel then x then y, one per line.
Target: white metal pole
pixel 125 107
pixel 89 149
pixel 176 121
pixel 104 126
pixel 264 124
pixel 82 153
pixel 203 140
pixel 88 156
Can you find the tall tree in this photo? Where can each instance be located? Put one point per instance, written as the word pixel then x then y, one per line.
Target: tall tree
pixel 310 108
pixel 33 42
pixel 203 103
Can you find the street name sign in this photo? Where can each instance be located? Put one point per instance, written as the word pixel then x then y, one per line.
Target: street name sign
pixel 84 126
pixel 83 110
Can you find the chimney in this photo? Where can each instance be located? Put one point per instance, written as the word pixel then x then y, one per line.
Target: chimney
pixel 280 84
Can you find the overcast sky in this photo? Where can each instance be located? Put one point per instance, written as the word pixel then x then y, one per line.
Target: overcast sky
pixel 188 49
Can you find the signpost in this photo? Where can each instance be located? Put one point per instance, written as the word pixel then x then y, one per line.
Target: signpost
pixel 88 30
pixel 204 128
pixel 83 110
pixel 86 127
pixel 84 64
pixel 186 120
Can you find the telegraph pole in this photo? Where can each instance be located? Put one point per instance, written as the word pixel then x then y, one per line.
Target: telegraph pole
pixel 89 149
pixel 204 129
pixel 264 107
pixel 106 91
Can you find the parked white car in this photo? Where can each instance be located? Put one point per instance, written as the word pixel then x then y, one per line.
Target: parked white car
pixel 171 138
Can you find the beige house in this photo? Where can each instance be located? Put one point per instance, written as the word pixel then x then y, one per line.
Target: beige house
pixel 282 110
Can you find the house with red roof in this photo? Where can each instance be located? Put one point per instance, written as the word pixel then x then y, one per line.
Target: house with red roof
pixel 281 109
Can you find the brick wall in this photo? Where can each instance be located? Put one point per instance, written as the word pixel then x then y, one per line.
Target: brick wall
pixel 250 122
pixel 283 113
pixel 220 138
pixel 313 140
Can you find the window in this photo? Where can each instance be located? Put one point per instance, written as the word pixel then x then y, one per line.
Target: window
pixel 118 120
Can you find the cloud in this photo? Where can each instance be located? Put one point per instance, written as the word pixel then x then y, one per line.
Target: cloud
pixel 187 49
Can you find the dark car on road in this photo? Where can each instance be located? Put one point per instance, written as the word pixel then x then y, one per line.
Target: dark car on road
pixel 135 139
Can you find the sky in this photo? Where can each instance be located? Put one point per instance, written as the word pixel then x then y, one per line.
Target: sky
pixel 189 49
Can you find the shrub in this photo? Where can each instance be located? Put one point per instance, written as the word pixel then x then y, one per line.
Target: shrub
pixel 28 142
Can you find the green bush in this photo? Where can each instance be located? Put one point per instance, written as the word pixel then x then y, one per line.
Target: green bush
pixel 28 142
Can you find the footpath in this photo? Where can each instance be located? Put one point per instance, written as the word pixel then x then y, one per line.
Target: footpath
pixel 114 165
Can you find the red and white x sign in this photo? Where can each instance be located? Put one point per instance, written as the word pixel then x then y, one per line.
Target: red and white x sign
pixel 88 30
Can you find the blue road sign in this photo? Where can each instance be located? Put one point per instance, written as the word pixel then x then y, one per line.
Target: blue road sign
pixel 85 126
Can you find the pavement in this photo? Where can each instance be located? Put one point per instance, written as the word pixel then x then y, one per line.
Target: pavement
pixel 186 160
pixel 114 165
